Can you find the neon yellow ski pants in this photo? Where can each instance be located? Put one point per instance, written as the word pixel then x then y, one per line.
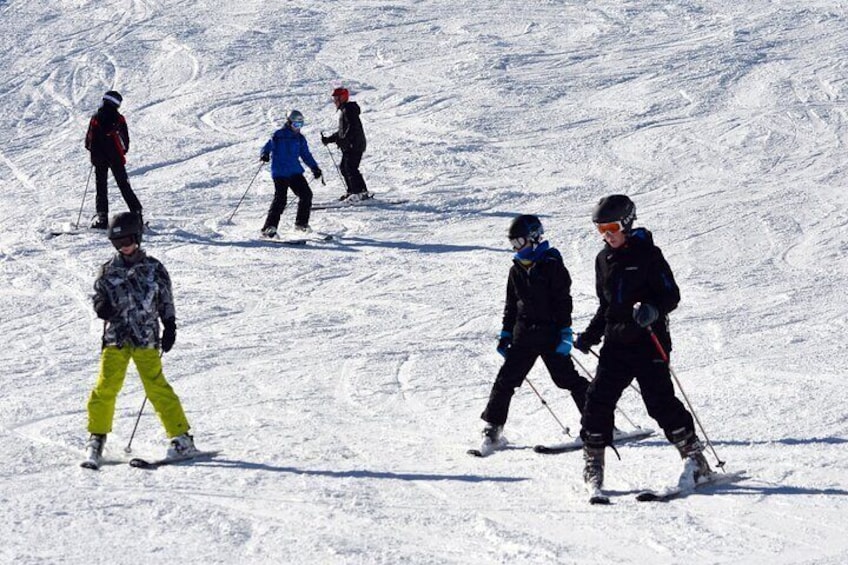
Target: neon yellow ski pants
pixel 113 369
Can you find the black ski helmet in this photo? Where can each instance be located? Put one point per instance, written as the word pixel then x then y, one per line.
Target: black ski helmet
pixel 123 225
pixel 615 208
pixel 526 225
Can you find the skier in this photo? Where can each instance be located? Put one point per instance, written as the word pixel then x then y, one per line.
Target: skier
pixel 132 292
pixel 108 141
pixel 536 323
pixel 350 138
pixel 287 147
pixel 636 291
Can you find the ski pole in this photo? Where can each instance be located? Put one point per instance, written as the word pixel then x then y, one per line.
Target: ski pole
pixel 565 430
pixel 665 358
pixel 338 170
pixel 245 192
pixel 79 216
pixel 617 409
pixel 128 448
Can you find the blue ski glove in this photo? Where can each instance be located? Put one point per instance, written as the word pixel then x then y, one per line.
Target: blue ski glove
pixel 645 314
pixel 566 337
pixel 504 343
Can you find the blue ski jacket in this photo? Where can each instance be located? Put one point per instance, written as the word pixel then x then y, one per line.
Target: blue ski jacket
pixel 286 148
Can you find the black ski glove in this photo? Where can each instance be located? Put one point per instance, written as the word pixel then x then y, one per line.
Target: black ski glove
pixel 645 314
pixel 103 308
pixel 325 140
pixel 582 344
pixel 316 173
pixel 264 157
pixel 169 335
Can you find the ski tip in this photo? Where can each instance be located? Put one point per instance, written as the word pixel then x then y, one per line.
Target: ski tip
pixel 140 463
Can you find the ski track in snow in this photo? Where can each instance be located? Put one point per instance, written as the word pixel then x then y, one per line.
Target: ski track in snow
pixel 344 380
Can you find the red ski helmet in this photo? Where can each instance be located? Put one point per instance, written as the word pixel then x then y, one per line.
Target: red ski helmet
pixel 342 93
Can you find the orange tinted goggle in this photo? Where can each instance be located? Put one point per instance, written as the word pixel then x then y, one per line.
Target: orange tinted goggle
pixel 609 227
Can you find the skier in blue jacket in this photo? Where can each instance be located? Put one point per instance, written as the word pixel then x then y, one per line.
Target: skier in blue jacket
pixel 286 148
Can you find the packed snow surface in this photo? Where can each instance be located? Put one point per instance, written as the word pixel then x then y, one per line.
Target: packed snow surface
pixel 344 380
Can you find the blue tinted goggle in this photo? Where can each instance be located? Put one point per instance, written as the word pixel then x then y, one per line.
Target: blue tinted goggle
pixel 297 125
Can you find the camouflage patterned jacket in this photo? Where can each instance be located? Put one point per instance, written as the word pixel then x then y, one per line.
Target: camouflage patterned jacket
pixel 140 293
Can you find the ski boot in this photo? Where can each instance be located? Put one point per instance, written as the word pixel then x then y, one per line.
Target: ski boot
pixel 593 460
pixel 695 465
pixel 94 451
pixel 181 447
pixel 99 222
pixel 269 231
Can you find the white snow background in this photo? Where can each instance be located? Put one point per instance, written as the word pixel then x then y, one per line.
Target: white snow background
pixel 344 380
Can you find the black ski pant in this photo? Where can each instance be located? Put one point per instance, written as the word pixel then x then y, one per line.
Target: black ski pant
pixel 101 201
pixel 618 366
pixel 301 189
pixel 520 358
pixel 349 168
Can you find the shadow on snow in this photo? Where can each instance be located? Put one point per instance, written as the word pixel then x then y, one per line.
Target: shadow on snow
pixel 359 474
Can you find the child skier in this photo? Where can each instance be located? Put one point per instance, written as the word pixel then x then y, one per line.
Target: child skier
pixel 636 290
pixel 132 292
pixel 536 323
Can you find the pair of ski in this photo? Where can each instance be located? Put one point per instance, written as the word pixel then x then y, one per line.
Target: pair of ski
pixel 619 437
pixel 596 495
pixel 151 464
pixel 298 239
pixel 373 200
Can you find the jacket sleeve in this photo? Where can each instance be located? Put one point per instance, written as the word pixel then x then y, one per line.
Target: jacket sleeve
pixel 561 293
pixel 266 149
pixel 166 295
pixel 306 155
pixel 663 285
pixel 124 132
pixel 89 135
pixel 510 307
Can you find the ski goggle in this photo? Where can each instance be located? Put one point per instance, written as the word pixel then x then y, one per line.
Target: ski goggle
pixel 518 242
pixel 609 227
pixel 123 242
pixel 297 124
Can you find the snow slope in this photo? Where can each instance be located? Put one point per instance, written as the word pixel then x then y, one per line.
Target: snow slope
pixel 344 380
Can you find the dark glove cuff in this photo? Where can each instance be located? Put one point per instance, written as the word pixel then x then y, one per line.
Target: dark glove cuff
pixel 170 324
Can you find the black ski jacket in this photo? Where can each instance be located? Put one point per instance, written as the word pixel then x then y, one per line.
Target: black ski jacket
pixel 351 136
pixel 538 297
pixel 107 138
pixel 635 272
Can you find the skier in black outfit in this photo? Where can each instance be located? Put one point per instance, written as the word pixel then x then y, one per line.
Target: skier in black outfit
pixel 108 141
pixel 351 140
pixel 536 323
pixel 636 290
